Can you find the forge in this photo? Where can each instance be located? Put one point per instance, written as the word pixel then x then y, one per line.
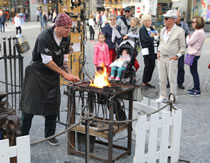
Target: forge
pixel 110 118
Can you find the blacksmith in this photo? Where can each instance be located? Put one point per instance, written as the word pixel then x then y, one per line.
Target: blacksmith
pixel 41 90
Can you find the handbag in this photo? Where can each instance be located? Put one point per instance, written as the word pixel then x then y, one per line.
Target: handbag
pixel 22 44
pixel 189 59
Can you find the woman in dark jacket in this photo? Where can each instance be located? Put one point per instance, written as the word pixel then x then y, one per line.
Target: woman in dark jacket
pixel 113 37
pixel 148 39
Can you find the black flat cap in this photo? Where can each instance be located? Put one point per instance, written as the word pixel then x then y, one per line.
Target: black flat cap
pixel 127 9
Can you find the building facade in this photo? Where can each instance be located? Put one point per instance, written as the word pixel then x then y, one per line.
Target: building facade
pixel 47 6
pixel 189 8
pixel 10 7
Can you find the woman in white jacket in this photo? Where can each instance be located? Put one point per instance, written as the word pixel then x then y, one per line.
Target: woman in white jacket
pixel 18 24
pixel 91 23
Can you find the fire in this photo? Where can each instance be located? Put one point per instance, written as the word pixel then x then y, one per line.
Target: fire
pixel 100 79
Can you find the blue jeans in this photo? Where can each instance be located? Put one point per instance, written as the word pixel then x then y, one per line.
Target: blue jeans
pixel 118 69
pixel 194 72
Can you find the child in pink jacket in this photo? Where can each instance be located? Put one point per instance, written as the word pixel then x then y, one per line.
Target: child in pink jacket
pixel 101 53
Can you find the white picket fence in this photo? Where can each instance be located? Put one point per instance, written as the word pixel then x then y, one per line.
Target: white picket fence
pixel 158 137
pixel 21 150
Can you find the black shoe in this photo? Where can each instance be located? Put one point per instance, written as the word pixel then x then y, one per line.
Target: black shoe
pixel 53 141
pixel 168 85
pixel 181 86
pixel 190 90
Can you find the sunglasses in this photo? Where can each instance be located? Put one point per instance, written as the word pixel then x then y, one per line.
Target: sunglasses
pixel 166 19
pixel 127 11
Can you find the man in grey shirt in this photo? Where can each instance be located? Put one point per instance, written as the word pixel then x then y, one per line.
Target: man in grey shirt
pixel 124 21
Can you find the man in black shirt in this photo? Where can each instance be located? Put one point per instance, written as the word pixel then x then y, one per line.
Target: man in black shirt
pixel 41 90
pixel 181 72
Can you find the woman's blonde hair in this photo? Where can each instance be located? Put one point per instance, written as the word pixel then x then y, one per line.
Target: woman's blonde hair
pixel 145 18
pixel 91 16
pixel 136 20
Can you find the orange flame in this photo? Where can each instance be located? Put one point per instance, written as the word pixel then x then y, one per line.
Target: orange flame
pixel 101 79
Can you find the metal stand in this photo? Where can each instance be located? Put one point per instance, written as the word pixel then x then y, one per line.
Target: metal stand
pixel 104 134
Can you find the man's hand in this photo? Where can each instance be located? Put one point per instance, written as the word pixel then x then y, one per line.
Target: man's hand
pixel 174 58
pixel 71 77
pixel 67 75
pixel 125 37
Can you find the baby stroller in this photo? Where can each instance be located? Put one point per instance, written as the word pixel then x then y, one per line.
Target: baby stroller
pixel 130 71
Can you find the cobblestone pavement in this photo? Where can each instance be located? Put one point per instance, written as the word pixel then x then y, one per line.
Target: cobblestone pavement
pixel 195 142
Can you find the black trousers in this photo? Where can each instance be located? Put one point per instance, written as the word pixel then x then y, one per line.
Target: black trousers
pixel 181 72
pixel 92 33
pixel 18 29
pixel 149 65
pixel 50 124
pixel 37 18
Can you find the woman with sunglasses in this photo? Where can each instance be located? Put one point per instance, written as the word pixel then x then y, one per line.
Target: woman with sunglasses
pixel 112 36
pixel 195 44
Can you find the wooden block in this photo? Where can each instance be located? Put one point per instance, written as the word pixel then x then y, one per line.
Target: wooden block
pixel 63 81
pixel 103 134
pixel 75 63
pixel 75 10
pixel 76 37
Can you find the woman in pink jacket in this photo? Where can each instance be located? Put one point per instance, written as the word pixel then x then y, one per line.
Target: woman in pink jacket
pixel 101 53
pixel 195 43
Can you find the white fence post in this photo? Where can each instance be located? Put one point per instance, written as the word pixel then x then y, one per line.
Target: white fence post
pixel 21 150
pixel 158 137
pixel 4 151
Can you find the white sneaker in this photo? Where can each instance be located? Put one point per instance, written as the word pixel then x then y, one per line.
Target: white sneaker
pixel 161 100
